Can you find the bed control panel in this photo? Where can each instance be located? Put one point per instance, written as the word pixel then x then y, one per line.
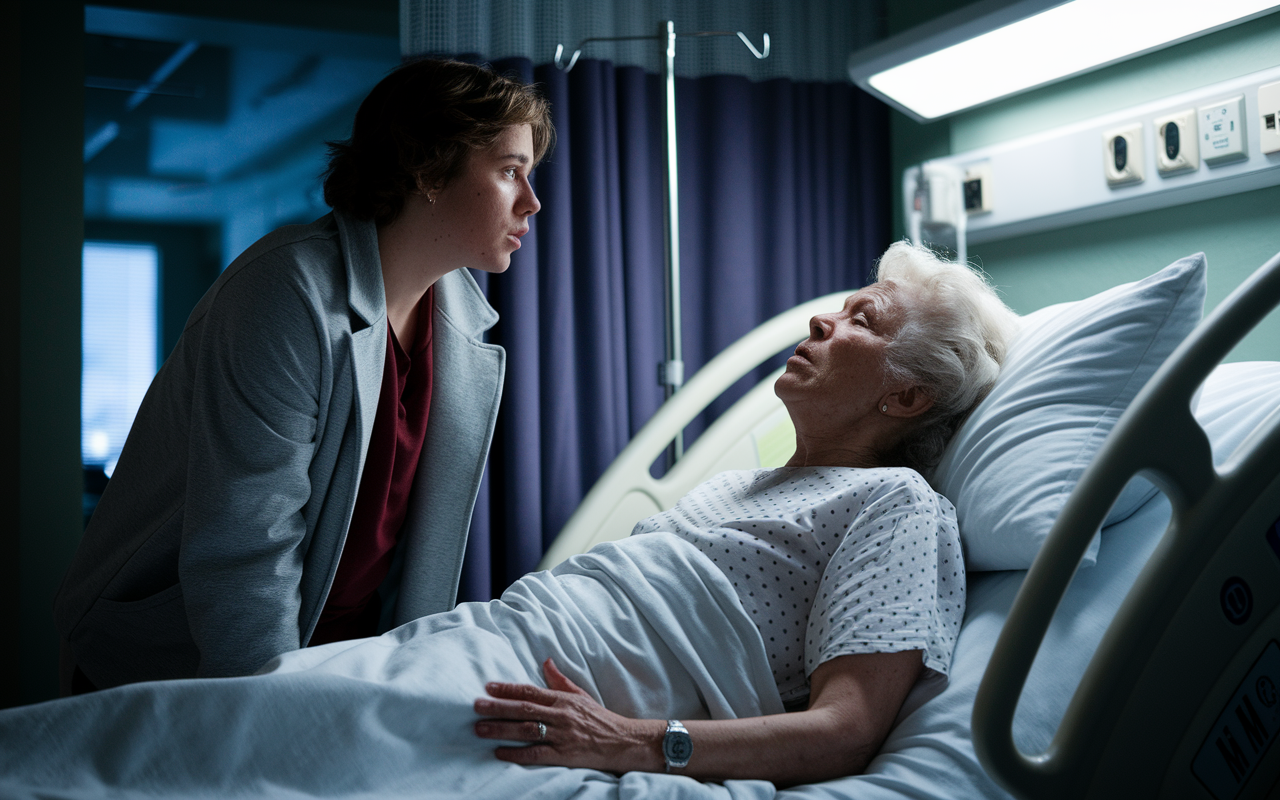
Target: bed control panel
pixel 1245 730
pixel 1229 748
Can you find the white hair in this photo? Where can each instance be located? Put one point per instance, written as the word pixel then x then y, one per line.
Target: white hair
pixel 952 343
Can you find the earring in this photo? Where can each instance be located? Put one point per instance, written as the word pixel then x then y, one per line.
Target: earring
pixel 431 198
pixel 884 409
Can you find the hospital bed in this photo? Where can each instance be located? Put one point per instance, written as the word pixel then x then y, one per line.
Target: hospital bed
pixel 1165 690
pixel 1150 670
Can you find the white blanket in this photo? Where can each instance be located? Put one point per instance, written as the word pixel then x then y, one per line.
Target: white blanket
pixel 648 625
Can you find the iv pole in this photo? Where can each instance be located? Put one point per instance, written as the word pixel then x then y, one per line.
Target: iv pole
pixel 670 370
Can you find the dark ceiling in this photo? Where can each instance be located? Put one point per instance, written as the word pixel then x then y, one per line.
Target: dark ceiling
pixel 117 68
pixel 217 121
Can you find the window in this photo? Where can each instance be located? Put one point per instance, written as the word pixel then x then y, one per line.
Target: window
pixel 119 335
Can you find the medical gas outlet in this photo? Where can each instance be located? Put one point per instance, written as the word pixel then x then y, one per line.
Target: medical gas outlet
pixel 977 188
pixel 1123 155
pixel 1177 148
pixel 1269 113
pixel 1222 132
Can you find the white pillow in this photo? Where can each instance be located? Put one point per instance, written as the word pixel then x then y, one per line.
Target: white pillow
pixel 1235 400
pixel 1068 376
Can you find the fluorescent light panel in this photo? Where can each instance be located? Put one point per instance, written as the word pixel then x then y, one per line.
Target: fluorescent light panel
pixel 1065 40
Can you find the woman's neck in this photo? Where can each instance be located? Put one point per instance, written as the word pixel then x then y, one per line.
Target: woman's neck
pixel 842 437
pixel 826 454
pixel 408 267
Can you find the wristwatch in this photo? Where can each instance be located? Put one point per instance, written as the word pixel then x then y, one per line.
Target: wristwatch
pixel 677 746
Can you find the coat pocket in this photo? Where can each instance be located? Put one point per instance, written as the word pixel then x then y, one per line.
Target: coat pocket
pixel 139 640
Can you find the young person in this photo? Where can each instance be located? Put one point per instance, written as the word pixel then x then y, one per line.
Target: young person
pixel 304 466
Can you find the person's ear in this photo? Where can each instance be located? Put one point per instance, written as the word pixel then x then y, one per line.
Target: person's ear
pixel 906 403
pixel 429 190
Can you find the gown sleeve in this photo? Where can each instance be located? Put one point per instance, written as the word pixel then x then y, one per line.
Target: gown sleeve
pixel 895 583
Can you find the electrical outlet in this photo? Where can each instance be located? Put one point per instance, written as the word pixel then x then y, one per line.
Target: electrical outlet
pixel 977 188
pixel 1123 155
pixel 1269 117
pixel 1177 148
pixel 1222 132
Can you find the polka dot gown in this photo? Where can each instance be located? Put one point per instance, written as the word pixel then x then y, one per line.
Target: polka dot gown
pixel 831 561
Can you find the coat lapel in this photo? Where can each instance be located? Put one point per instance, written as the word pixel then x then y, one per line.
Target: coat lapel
pixel 367 300
pixel 465 393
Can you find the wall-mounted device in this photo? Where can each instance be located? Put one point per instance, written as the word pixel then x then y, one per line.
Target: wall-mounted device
pixel 1123 155
pixel 1269 117
pixel 1177 144
pixel 977 188
pixel 1222 132
pixel 1050 180
pixel 936 216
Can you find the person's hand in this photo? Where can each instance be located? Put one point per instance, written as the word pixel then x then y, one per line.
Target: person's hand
pixel 579 732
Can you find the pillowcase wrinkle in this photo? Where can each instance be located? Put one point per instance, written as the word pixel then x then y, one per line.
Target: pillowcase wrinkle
pixel 1073 370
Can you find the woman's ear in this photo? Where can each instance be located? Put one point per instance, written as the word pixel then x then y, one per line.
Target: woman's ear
pixel 906 403
pixel 424 187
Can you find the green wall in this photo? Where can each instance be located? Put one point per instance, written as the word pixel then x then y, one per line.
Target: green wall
pixel 1237 233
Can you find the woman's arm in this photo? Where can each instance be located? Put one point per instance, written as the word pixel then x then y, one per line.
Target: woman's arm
pixel 256 374
pixel 852 704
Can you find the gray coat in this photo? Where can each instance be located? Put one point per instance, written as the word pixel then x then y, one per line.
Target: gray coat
pixel 217 539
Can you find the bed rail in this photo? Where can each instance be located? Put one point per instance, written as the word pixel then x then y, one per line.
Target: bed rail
pixel 1199 623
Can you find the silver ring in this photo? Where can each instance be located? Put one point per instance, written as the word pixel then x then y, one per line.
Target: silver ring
pixel 542 731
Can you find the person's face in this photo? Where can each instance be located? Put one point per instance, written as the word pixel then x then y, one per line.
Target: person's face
pixel 486 209
pixel 838 372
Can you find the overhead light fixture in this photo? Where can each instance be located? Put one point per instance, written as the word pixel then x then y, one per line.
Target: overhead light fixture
pixel 997 48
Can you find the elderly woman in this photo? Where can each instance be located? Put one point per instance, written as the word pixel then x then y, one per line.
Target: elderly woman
pixel 845 559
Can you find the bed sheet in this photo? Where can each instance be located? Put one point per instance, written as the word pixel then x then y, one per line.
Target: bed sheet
pixel 649 625
pixel 391 717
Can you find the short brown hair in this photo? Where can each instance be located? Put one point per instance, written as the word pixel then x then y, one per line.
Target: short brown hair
pixel 415 129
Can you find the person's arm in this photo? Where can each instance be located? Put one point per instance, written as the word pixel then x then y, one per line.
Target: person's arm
pixel 255 391
pixel 852 704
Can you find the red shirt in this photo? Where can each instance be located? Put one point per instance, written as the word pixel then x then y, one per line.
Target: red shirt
pixel 399 426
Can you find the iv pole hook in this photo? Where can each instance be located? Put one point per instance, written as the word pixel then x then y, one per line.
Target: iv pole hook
pixel 752 47
pixel 573 59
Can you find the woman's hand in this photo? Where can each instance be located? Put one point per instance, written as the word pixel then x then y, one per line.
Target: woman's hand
pixel 852 704
pixel 579 731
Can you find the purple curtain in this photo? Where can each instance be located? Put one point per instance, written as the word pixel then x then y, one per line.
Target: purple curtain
pixel 784 196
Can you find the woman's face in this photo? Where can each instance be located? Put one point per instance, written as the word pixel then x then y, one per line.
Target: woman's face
pixel 485 210
pixel 838 372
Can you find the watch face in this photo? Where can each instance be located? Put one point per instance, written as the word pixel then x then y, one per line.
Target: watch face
pixel 677 747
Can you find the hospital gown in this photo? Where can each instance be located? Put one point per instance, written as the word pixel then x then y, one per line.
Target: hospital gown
pixel 831 561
